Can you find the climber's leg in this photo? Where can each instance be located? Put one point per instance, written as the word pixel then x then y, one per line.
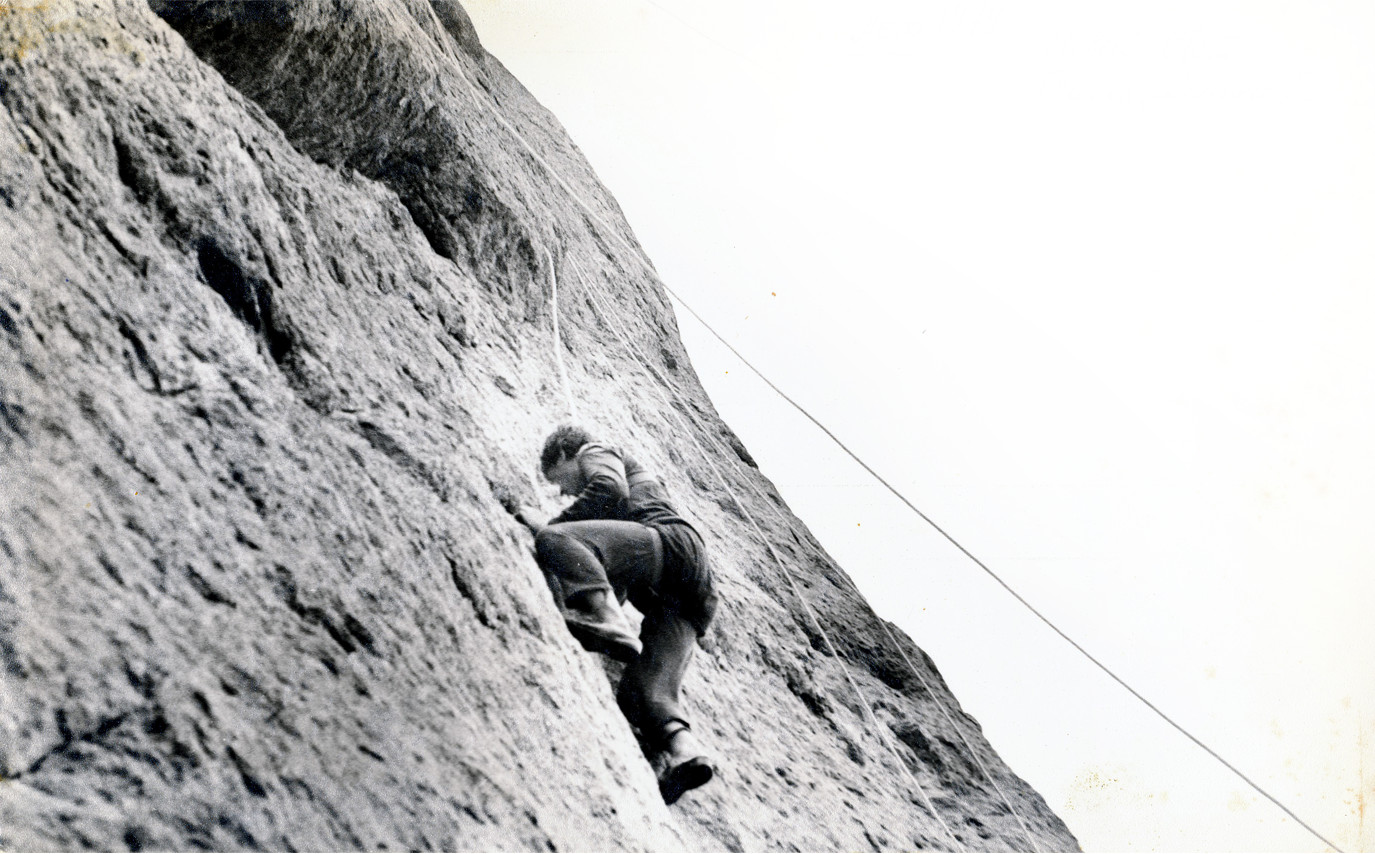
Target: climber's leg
pixel 649 690
pixel 683 764
pixel 587 563
pixel 648 695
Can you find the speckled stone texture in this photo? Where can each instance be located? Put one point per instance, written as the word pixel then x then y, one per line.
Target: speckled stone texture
pixel 274 335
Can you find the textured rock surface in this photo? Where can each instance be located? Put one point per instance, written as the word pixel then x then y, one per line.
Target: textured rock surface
pixel 274 324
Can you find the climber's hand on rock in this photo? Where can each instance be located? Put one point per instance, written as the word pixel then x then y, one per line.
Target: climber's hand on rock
pixel 530 518
pixel 506 498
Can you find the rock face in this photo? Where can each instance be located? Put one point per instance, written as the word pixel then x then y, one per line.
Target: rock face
pixel 275 328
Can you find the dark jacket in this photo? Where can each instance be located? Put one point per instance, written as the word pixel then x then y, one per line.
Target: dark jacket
pixel 605 492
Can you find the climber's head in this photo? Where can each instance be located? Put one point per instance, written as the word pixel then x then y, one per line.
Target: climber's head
pixel 557 460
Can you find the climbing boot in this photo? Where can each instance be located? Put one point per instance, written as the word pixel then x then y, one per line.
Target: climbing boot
pixel 607 633
pixel 684 764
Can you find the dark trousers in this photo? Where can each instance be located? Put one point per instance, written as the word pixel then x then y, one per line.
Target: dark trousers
pixel 626 560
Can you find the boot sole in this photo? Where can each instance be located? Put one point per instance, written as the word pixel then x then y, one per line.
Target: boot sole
pixel 685 777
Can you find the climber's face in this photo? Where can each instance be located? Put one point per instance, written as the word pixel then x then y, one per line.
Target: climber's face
pixel 566 474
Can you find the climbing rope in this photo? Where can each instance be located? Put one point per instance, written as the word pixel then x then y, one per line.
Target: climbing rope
pixel 659 386
pixel 1042 617
pixel 558 342
pixel 638 255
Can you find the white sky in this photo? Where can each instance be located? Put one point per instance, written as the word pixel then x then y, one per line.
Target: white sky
pixel 1093 284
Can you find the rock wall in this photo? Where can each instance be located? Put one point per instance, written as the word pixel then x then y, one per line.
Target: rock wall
pixel 275 325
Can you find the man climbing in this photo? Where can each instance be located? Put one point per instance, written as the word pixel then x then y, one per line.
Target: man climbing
pixel 621 539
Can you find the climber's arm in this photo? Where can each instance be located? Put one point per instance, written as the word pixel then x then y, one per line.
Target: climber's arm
pixel 604 490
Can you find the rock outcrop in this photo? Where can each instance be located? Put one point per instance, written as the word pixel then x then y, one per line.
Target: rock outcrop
pixel 275 329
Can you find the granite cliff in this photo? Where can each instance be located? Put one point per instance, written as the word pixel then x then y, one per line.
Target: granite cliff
pixel 275 335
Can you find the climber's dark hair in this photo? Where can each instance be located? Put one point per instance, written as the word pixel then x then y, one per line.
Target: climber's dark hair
pixel 567 439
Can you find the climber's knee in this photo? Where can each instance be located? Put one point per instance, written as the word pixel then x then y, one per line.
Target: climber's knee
pixel 550 543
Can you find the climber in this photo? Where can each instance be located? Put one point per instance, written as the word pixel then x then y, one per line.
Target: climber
pixel 621 539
